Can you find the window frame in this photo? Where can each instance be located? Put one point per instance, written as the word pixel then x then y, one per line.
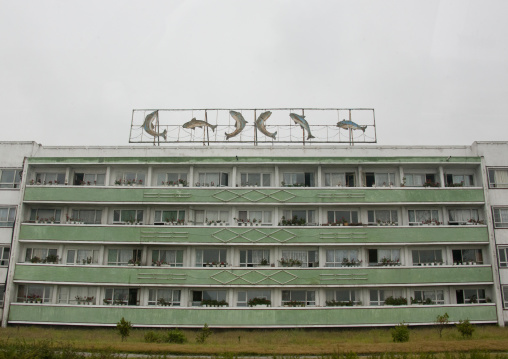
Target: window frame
pixel 309 301
pixel 5 253
pixel 338 258
pixel 433 219
pixel 94 257
pixel 163 179
pixel 352 294
pixel 290 179
pixel 250 294
pixel 28 290
pixel 178 257
pixel 291 253
pixel 159 216
pixel 491 177
pixel 265 254
pixel 308 214
pixel 29 253
pixel 219 294
pixel 11 214
pixel 156 294
pixel 15 183
pixel 41 178
pixel 244 179
pixel 421 262
pixel 200 256
pixel 97 215
pixel 222 182
pixel 496 214
pixel 265 220
pixel 139 216
pixel 137 254
pixel 421 293
pixel 503 262
pixel 34 214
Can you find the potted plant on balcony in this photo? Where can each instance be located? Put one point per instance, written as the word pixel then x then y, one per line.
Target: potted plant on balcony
pixel 260 302
pixel 35 259
pixel 89 300
pixel 294 303
pixel 264 262
pixel 51 258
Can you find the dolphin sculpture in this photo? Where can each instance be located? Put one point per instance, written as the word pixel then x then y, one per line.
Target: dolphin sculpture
pixel 300 120
pixel 260 124
pixel 149 127
pixel 350 125
pixel 192 124
pixel 240 124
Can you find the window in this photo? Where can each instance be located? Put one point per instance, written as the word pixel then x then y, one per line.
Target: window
pixel 342 217
pixel 498 178
pixel 501 217
pixel 342 258
pixel 428 296
pixel 34 293
pixel 87 216
pixel 261 217
pixel 378 296
pixel 245 296
pixel 122 216
pixel 343 296
pixel 299 258
pixel 379 179
pixel 119 257
pixel 213 179
pixel 458 180
pixel 467 256
pixel 255 179
pixel 131 178
pixel 164 297
pixel 89 179
pixel 2 295
pixel 4 256
pixel 298 298
pixel 172 179
pixel 7 216
pixel 340 179
pixel 423 216
pixel 121 296
pixel 45 215
pixel 210 256
pixel 298 179
pixel 198 296
pixel 176 216
pixel 49 178
pixel 463 216
pixel 10 178
pixel 307 216
pixel 427 256
pixel 382 217
pixel 77 295
pixel 167 257
pixel 38 255
pixel 419 179
pixel 82 256
pixel 203 216
pixel 503 256
pixel 505 296
pixel 254 257
pixel 471 296
pixel 384 257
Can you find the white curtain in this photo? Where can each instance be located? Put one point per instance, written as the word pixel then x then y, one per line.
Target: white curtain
pixel 501 178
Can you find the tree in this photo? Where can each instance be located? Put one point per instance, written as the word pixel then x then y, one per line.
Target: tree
pixel 441 322
pixel 124 328
pixel 204 333
pixel 465 328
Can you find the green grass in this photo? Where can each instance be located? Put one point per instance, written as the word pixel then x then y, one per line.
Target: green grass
pixel 270 342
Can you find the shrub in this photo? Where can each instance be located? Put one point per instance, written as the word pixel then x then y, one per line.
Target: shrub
pixel 400 333
pixel 175 336
pixel 203 334
pixel 465 328
pixel 441 322
pixel 124 328
pixel 152 337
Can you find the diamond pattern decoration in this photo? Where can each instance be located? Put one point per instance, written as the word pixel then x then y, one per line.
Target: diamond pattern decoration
pixel 253 195
pixel 254 277
pixel 253 235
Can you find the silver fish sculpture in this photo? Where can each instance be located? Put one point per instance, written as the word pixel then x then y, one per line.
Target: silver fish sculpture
pixel 350 125
pixel 240 124
pixel 260 124
pixel 300 120
pixel 149 127
pixel 192 124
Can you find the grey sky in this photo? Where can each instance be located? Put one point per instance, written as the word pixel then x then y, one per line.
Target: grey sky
pixel 71 72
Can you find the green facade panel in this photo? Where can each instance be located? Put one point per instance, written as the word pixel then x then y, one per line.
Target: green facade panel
pixel 253 235
pixel 259 277
pixel 252 196
pixel 247 317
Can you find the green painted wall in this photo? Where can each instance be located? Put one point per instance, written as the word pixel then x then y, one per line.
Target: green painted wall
pixel 252 235
pixel 250 195
pixel 252 277
pixel 221 317
pixel 233 160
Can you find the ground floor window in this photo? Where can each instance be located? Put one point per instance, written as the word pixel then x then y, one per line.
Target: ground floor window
pixel 77 295
pixel 254 297
pixel 428 296
pixel 164 297
pixel 342 297
pixel 471 296
pixel 209 297
pixel 298 298
pixel 34 293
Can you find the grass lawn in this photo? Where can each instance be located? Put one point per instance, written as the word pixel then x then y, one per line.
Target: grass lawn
pixel 270 342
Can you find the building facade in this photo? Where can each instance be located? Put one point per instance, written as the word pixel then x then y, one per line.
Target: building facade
pixel 239 236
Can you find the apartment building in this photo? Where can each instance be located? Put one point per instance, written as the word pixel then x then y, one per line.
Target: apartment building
pixel 254 236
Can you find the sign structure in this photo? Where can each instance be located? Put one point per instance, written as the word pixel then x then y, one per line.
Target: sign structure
pixel 256 126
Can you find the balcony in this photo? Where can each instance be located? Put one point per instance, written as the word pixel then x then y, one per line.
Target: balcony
pixel 252 235
pixel 258 277
pixel 246 317
pixel 292 195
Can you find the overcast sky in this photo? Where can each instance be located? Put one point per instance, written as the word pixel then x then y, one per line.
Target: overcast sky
pixel 71 72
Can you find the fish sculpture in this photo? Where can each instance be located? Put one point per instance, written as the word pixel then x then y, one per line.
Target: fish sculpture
pixel 350 125
pixel 192 124
pixel 240 124
pixel 260 124
pixel 300 120
pixel 149 127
